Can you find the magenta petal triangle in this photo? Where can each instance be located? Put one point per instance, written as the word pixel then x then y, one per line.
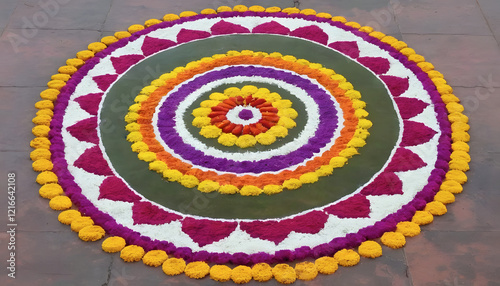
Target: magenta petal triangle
pixel 410 107
pixel 104 81
pixel 205 232
pixel 90 102
pixel 223 28
pixel 313 33
pixel 347 48
pixel 416 133
pixel 354 207
pixel 147 213
pixel 85 130
pixel 375 64
pixel 396 85
pixel 93 162
pixel 112 188
pixel 405 160
pixel 384 184
pixel 153 45
pixel 186 35
pixel 271 28
pixel 123 63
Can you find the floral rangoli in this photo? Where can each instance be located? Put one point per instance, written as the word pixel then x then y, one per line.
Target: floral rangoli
pixel 313 138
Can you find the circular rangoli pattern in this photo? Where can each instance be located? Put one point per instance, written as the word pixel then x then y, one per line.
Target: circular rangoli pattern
pixel 253 123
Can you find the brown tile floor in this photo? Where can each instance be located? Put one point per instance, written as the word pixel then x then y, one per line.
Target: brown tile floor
pixel 459 37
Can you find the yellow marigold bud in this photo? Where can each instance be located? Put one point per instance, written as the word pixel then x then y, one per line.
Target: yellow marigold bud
pixel 326 265
pixel 348 152
pixel 456 175
pixel 393 239
pixel 147 156
pixel 422 217
pixel 77 63
pixel 46 177
pixel 292 184
pixel 265 138
pixel 158 166
pixel 389 40
pixel 122 34
pixel 462 147
pixel 68 216
pixel 324 15
pixel 355 25
pixel 277 131
pixel 42 165
pixel 155 258
pixel 227 139
pixel 246 141
pixel 309 178
pixel 347 257
pixel 285 103
pixel 134 137
pixel 85 55
pixel 208 186
pixel 376 34
pixel 459 126
pixel 208 11
pixel 201 111
pixel 370 249
pixel 262 272
pixel 272 189
pixel 399 45
pixel 224 9
pixel 220 273
pixel 141 98
pixel 365 124
pixel 460 165
pixel 50 191
pixel 324 170
pixel 416 58
pixel 425 66
pixel 228 189
pixel 44 104
pixel 308 12
pixel 273 9
pixel 407 51
pixel 172 175
pixel 210 131
pixel 131 127
pixel 131 117
pixel 240 8
pixel 408 228
pixel 50 94
pixel 356 142
pixel 135 28
pixel 306 271
pixel 250 190
pixel 42 120
pixel 256 8
pixel 197 270
pixel 187 14
pixel 288 112
pixel 64 77
pixel 189 181
pixel 453 187
pixel 96 47
pixel 339 19
pixel 241 274
pixel 151 22
pixel 436 208
pixel 139 147
pixel 174 266
pixel 366 29
pixel 91 233
pixel 353 94
pixel 113 244
pixel 38 154
pixel 78 223
pixel 170 17
pixel 40 142
pixel 444 197
pixel 284 273
pixel 108 40
pixel 458 117
pixel 132 253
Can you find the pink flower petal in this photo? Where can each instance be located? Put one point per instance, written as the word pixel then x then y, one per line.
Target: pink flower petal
pixel 385 184
pixel 123 63
pixel 405 160
pixel 271 28
pixel 90 102
pixel 375 64
pixel 396 85
pixel 203 231
pixel 410 107
pixel 354 207
pixel 93 162
pixel 347 48
pixel 313 33
pixel 104 81
pixel 223 27
pixel 186 35
pixel 147 213
pixel 416 133
pixel 153 45
pixel 112 188
pixel 85 130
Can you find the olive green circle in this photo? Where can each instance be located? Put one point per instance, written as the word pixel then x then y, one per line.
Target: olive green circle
pixel 360 168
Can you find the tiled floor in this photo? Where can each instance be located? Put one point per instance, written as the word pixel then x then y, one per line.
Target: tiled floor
pixel 461 38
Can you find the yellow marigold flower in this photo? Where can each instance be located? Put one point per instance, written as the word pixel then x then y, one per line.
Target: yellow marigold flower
pixel 275 55
pixel 134 107
pixel 151 22
pixel 232 91
pixel 147 156
pixel 189 181
pixel 303 62
pixel 40 143
pixel 288 112
pixel 139 147
pixel 208 11
pixel 361 133
pixel 218 96
pixel 85 55
pixel 284 273
pixel 46 112
pixel 158 82
pixel 389 40
pixel 277 131
pixel 271 96
pixel 346 86
pixel 308 12
pixel 91 233
pixel 460 136
pixel 44 104
pixel 356 142
pixel 292 184
pixel 365 124
pixel 393 239
pixel 135 28
pixel 324 170
pixel 328 72
pixel 265 138
pixel 155 258
pixel 347 257
pixel 324 15
pixel 425 66
pixel 458 117
pixel 454 107
pixel 241 274
pixel 210 131
pixel 131 117
pixel 306 271
pixel 132 253
pixel 272 189
pixel 282 104
pixel 249 89
pixel 64 77
pixel 456 175
pixel 339 19
pixel 96 47
pixel 366 29
pixel 46 177
pixel 197 270
pixel 201 111
pixel 339 78
pixel 407 51
pixel 184 14
pixel 42 120
pixel 370 249
pixel 240 8
pixel 50 94
pixel 224 9
pixel 172 175
pixel 435 74
pixel 250 190
pixel 453 187
pixel 262 272
pixel 208 186
pixel 273 9
pixel 220 273
pixel 173 266
pixel 416 58
pixel 170 17
pixel 233 53
pixel 246 141
pixel 131 127
pixel 81 222
pixel 309 178
pixel 68 216
pixel 459 164
pixel 361 113
pixel 134 137
pixel 326 265
pixel 147 90
pixel 408 228
pixel 50 191
pixel 444 89
pixel 377 34
pixel 436 208
pixel 42 165
pixel 108 40
pixel 461 147
pixel 113 244
pixel 459 126
pixel 256 8
pixel 228 189
pixel 355 25
pixel 358 104
pixel 348 152
pixel 38 154
pixel 141 98
pixel 315 66
pixel 353 94
pixel 399 45
pixel 158 166
pixel 422 217
pixel 444 197
pixel 227 139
